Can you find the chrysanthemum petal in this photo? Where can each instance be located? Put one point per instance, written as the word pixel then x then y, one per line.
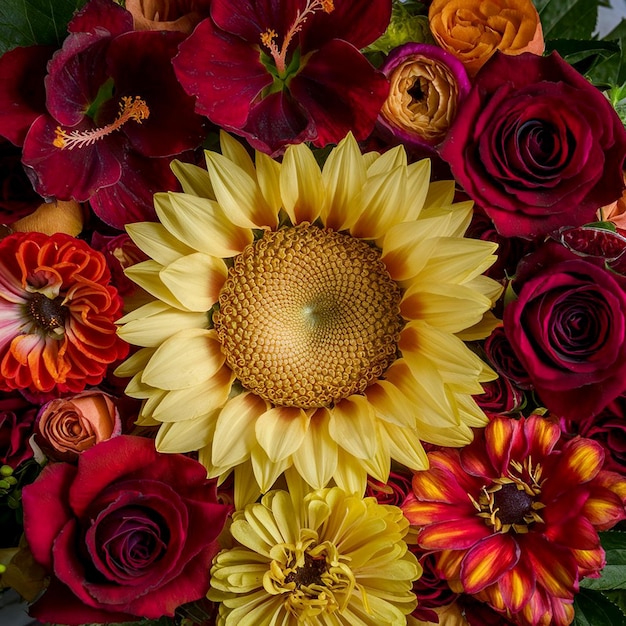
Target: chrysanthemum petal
pixel 238 194
pixel 487 561
pixel 555 568
pixel 186 359
pixel 187 435
pixel 301 186
pixel 195 280
pixel 316 458
pixel 517 586
pixel 343 175
pixel 353 426
pixel 190 219
pixel 150 325
pixel 154 239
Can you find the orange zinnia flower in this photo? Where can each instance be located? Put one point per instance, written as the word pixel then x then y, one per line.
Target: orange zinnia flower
pixel 57 314
pixel 514 516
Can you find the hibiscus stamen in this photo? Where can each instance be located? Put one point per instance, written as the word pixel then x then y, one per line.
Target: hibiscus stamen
pixel 130 109
pixel 267 37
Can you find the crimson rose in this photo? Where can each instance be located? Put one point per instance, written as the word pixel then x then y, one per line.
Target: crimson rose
pixel 568 328
pixel 127 533
pixel 536 145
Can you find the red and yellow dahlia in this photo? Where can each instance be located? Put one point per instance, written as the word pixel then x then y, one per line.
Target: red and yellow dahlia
pixel 514 516
pixel 57 314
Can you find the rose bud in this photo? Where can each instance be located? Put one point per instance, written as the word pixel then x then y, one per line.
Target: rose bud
pixel 427 84
pixel 67 426
pixel 473 31
pixel 180 15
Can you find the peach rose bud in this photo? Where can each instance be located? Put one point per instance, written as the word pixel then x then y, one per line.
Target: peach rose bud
pixel 65 427
pixel 180 15
pixel 473 30
pixel 616 211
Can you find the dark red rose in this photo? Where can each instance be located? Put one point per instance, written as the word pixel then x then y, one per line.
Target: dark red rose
pixel 536 145
pixel 17 196
pixel 568 328
pixel 17 418
pixel 500 397
pixel 504 359
pixel 394 491
pixel 609 429
pixel 126 533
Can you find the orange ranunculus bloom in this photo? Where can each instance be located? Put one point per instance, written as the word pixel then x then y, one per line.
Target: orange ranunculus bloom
pixel 513 517
pixel 181 15
pixel 473 30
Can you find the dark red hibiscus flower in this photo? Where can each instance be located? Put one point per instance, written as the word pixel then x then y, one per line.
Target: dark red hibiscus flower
pixel 114 114
pixel 279 72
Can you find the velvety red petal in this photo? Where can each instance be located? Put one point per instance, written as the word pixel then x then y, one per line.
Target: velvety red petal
pixel 489 559
pixel 423 513
pixel 577 533
pixel 359 23
pixel 604 508
pixel 58 605
pixel 75 75
pixel 276 121
pixel 69 174
pixel 341 91
pixel 438 485
pixel 222 71
pixel 131 198
pixel 22 97
pixel 140 63
pixel 99 14
pixel 46 509
pixel 453 535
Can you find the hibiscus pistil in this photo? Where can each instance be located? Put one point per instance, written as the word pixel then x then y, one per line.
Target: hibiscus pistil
pixel 268 37
pixel 130 109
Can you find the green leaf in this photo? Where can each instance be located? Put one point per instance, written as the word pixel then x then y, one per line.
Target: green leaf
pixel 612 69
pixel 568 19
pixel 30 22
pixel 593 608
pixel 613 576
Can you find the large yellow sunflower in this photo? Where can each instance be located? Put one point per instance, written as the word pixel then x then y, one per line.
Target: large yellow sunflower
pixel 309 317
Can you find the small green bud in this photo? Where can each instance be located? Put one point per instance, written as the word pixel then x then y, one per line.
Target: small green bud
pixel 5 484
pixel 3 568
pixel 6 470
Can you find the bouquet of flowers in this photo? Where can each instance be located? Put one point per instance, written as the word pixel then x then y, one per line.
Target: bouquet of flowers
pixel 313 312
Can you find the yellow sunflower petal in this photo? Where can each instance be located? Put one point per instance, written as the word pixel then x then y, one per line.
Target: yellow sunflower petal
pixel 418 175
pixel 186 359
pixel 134 363
pixel 389 403
pixel 265 470
pixel 190 219
pixel 239 194
pixel 440 194
pixel 147 275
pixel 268 178
pixel 193 179
pixel 350 474
pixel 301 185
pixel 154 239
pixel 234 151
pixel 195 280
pixel 405 446
pixel 235 432
pixel 344 175
pixel 280 431
pixel 192 402
pixel 353 426
pixel 316 458
pixel 153 323
pixel 187 435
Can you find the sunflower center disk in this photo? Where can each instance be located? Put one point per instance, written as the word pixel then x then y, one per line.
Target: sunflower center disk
pixel 308 316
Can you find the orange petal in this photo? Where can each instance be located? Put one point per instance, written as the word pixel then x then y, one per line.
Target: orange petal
pixel 454 535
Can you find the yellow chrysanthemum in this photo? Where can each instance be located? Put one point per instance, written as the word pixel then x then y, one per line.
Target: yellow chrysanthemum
pixel 328 558
pixel 309 318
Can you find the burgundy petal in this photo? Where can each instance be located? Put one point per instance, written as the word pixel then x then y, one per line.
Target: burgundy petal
pixel 64 173
pixel 341 92
pixel 223 72
pixel 22 97
pixel 140 64
pixel 101 14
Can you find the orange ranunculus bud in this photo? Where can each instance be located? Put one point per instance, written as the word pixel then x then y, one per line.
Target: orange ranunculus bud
pixel 473 30
pixel 616 211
